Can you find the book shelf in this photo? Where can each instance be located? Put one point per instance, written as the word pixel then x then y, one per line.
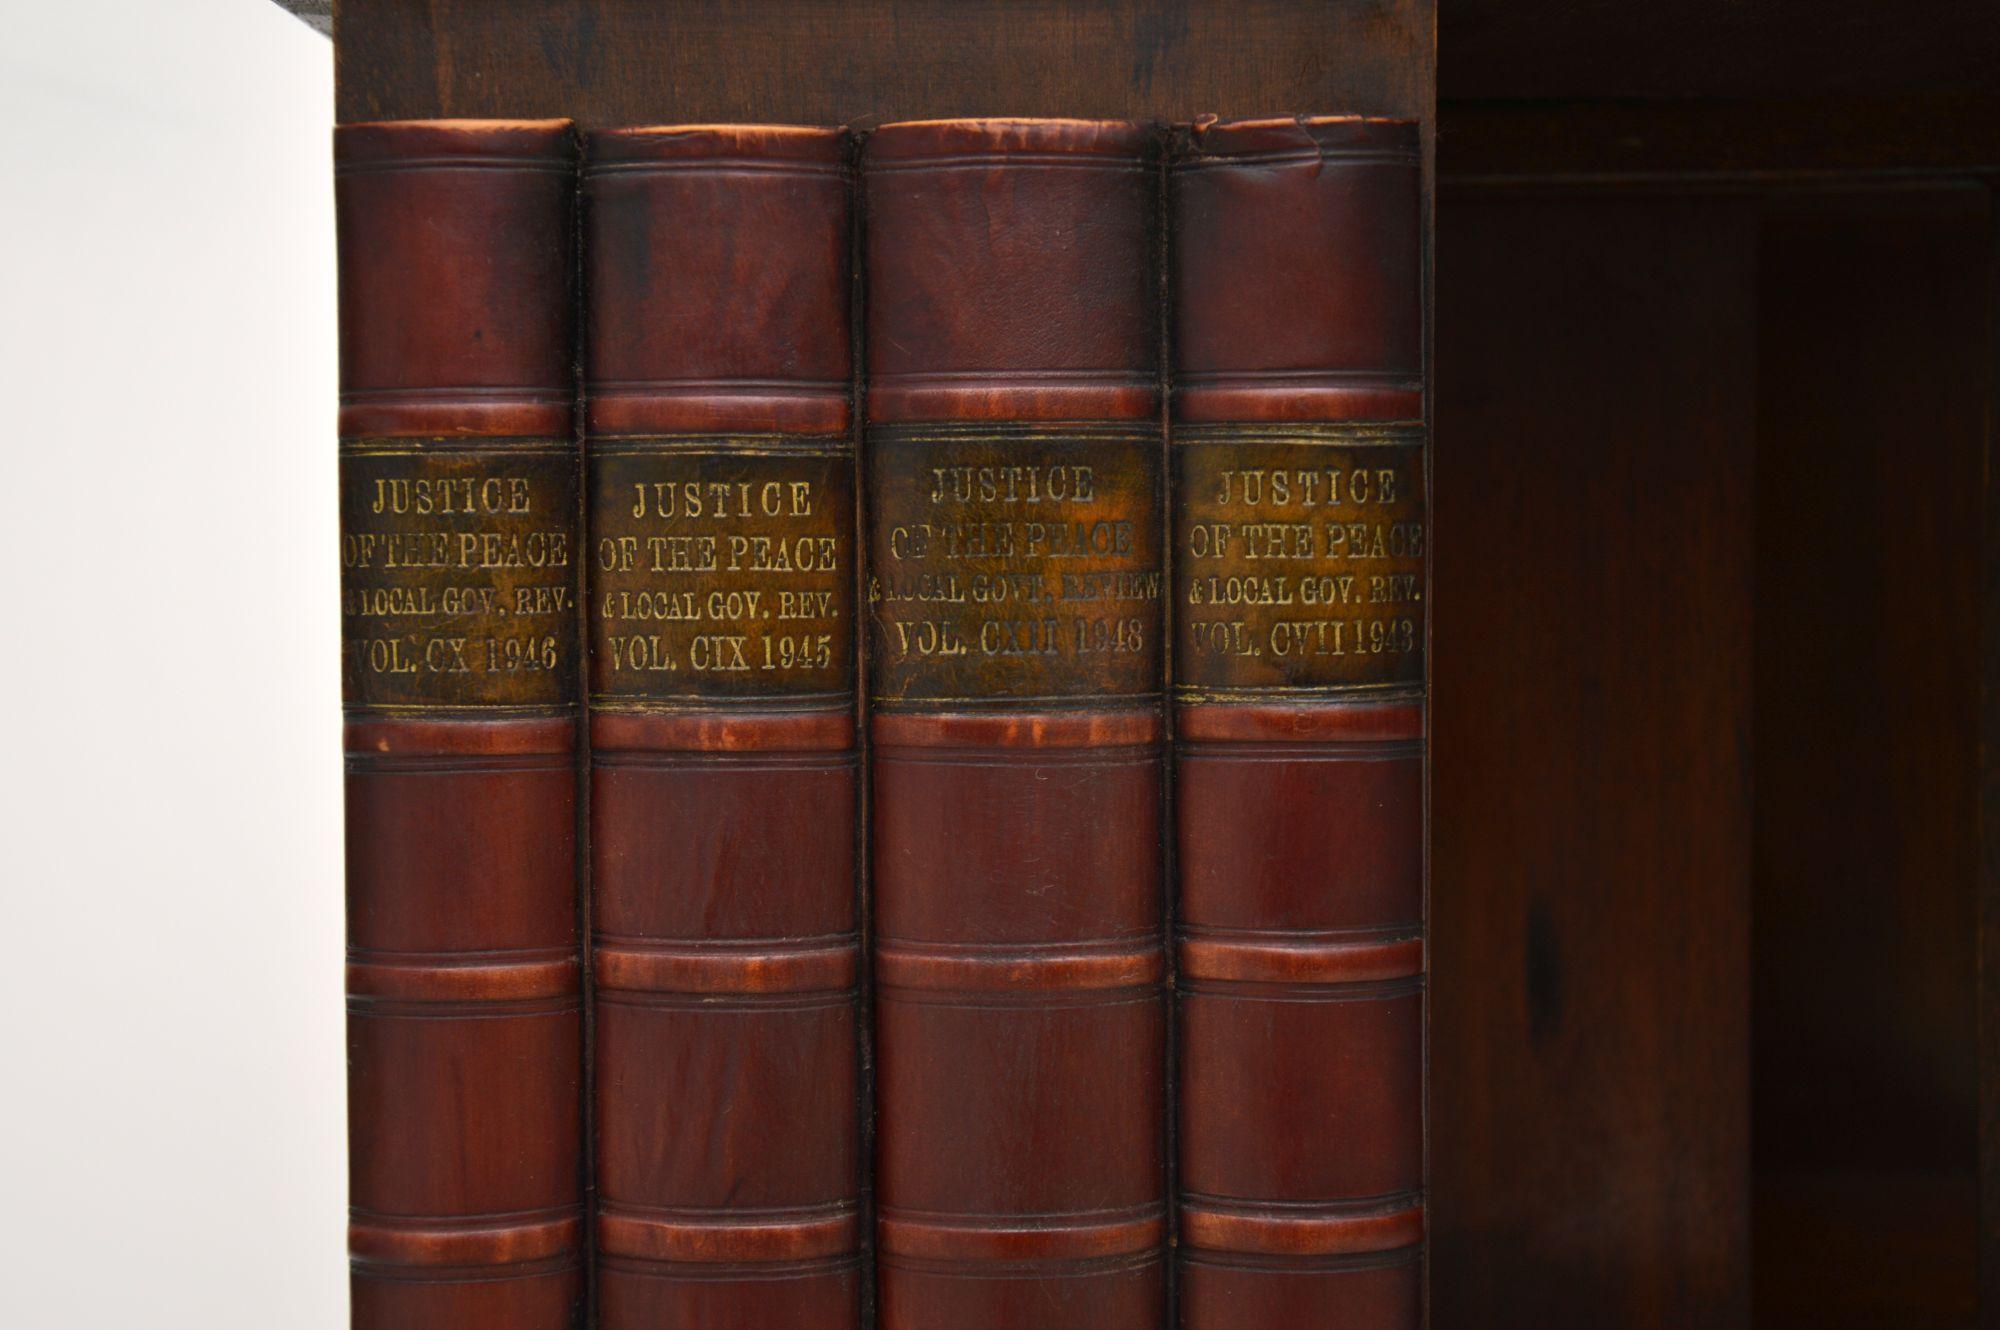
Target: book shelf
pixel 1716 374
pixel 1716 914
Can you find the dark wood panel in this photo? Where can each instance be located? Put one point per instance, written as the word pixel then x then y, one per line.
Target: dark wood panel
pixel 861 62
pixel 1864 1250
pixel 1591 819
pixel 1987 882
pixel 1872 353
pixel 1872 341
pixel 1682 145
pixel 1582 49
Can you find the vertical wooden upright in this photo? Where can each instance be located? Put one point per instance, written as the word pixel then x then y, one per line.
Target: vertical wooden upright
pixel 1592 833
pixel 1987 991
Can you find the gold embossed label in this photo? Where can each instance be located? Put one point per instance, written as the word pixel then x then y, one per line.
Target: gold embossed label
pixel 1300 559
pixel 458 565
pixel 1013 563
pixel 721 567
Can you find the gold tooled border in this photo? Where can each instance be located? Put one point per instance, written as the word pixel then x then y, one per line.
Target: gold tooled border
pixel 720 443
pixel 1374 434
pixel 451 446
pixel 1138 432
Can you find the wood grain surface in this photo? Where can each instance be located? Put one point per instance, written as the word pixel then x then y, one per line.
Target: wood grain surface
pixel 1590 807
pixel 1873 343
pixel 863 62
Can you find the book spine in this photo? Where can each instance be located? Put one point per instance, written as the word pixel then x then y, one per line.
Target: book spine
pixel 459 579
pixel 1299 482
pixel 724 771
pixel 1014 595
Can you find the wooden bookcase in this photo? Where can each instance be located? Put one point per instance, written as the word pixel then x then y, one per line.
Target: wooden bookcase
pixel 1716 1014
pixel 1714 1030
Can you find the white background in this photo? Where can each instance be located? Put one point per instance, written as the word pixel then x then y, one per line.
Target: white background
pixel 172 1117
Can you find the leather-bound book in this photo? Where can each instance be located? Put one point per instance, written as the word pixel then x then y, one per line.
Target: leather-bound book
pixel 460 576
pixel 724 771
pixel 1297 440
pixel 1014 595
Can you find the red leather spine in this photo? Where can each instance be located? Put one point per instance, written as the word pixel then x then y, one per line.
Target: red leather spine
pixel 1298 507
pixel 1014 594
pixel 459 508
pixel 724 771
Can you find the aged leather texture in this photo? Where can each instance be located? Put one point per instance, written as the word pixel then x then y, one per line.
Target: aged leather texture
pixel 1014 594
pixel 459 613
pixel 1299 581
pixel 724 768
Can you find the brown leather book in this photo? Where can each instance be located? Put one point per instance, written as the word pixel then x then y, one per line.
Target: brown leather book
pixel 1298 510
pixel 459 580
pixel 724 771
pixel 1014 594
